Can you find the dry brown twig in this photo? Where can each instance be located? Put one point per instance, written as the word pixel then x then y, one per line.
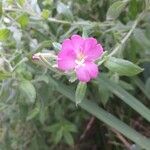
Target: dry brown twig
pixel 122 139
pixel 89 125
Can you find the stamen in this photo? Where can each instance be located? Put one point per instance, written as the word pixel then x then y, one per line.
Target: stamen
pixel 80 56
pixel 80 59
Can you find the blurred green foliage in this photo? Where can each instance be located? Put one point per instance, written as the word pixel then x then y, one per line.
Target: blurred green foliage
pixel 35 111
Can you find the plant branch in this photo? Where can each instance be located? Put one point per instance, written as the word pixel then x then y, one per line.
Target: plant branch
pixel 88 126
pixel 123 41
pixel 19 63
pixel 54 20
pixel 122 139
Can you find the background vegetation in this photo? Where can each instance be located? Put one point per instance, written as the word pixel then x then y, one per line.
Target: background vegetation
pixel 35 108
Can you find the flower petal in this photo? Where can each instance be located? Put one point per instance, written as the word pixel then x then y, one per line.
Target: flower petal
pixel 77 42
pixel 82 74
pixel 95 52
pixel 66 60
pixel 89 43
pixel 67 44
pixel 91 49
pixel 92 69
pixel 87 72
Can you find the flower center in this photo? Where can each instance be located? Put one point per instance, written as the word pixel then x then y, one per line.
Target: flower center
pixel 80 56
pixel 80 59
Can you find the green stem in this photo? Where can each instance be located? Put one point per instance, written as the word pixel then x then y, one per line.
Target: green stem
pixel 80 23
pixel 54 20
pixel 19 63
pixel 44 61
pixel 123 41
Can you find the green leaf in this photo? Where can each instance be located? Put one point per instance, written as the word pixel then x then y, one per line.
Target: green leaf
pixel 23 20
pixel 140 37
pixel 126 85
pixel 1 9
pixel 104 94
pixel 28 91
pixel 125 96
pixel 43 78
pixel 4 34
pixel 45 13
pixel 80 92
pixel 135 147
pixel 147 87
pixel 115 9
pixel 21 2
pixel 122 67
pixel 33 113
pixel 71 128
pixel 47 2
pixel 52 128
pixel 144 88
pixel 68 138
pixel 133 8
pixel 58 135
pixel 4 75
pixel 106 117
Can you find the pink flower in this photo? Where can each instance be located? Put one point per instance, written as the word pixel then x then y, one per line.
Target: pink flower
pixel 79 54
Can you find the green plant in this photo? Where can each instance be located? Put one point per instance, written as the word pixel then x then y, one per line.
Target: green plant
pixel 34 109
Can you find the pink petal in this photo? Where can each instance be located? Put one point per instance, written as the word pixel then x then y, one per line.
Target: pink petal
pixel 67 44
pixel 91 49
pixel 92 69
pixel 77 42
pixel 66 60
pixel 89 43
pixel 95 52
pixel 82 74
pixel 87 72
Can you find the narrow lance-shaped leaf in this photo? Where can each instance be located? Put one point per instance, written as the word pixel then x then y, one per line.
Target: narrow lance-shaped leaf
pixel 125 96
pixel 122 67
pixel 106 117
pixel 147 87
pixel 104 94
pixel 115 9
pixel 58 135
pixel 80 92
pixel 142 87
